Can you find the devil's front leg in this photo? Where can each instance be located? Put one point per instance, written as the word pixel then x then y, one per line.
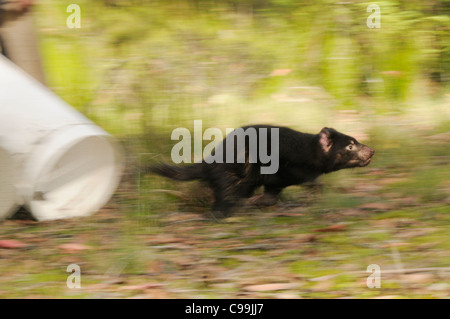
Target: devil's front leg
pixel 268 198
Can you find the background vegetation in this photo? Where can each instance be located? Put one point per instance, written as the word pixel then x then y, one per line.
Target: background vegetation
pixel 139 69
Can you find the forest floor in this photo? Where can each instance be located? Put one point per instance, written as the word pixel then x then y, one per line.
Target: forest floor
pixel 153 241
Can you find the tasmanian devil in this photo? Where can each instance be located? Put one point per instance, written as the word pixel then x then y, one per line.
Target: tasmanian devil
pixel 235 168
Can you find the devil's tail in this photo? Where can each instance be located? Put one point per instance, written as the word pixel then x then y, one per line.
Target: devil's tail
pixel 179 173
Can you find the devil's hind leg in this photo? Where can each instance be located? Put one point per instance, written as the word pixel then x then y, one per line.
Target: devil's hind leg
pixel 229 192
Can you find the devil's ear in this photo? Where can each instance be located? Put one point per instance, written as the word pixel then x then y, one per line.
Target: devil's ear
pixel 325 139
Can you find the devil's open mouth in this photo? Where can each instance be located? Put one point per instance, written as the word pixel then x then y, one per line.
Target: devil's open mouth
pixel 366 162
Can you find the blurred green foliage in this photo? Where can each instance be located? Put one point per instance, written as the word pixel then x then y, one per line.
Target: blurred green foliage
pixel 161 60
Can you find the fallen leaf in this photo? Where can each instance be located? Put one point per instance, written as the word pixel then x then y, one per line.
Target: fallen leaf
pixel 11 244
pixel 166 239
pixel 408 201
pixel 395 245
pixel 368 187
pixel 95 287
pixel 376 206
pixel 304 238
pixel 323 286
pixel 172 246
pixel 418 278
pixel 416 232
pixel 280 72
pixel 324 278
pixel 155 266
pixel 287 214
pixel 262 246
pixel 286 295
pixel 442 136
pixel 391 73
pixel 351 212
pixel 271 287
pixel 142 286
pixel 426 246
pixel 391 180
pixel 73 247
pixel 439 286
pixel 332 228
pixel 376 172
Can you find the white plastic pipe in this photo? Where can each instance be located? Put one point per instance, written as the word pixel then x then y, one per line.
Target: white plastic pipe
pixel 64 165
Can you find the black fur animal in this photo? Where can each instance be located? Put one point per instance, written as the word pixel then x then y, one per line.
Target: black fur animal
pixel 302 158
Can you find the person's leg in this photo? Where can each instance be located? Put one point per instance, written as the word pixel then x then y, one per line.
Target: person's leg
pixel 19 41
